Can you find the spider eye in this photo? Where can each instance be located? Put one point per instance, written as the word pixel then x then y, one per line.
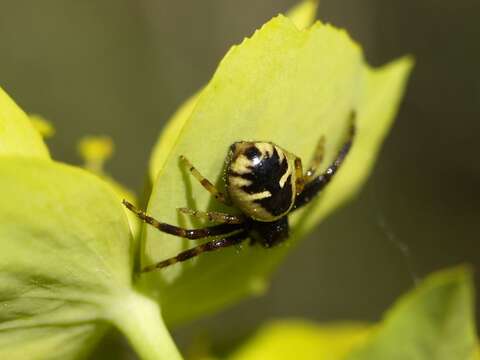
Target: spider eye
pixel 252 153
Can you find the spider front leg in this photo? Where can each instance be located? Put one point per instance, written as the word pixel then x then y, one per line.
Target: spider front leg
pixel 316 160
pixel 303 179
pixel 213 216
pixel 299 177
pixel 205 183
pixel 314 186
pixel 197 250
pixel 192 234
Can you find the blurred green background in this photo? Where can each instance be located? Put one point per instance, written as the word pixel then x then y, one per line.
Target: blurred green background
pixel 121 67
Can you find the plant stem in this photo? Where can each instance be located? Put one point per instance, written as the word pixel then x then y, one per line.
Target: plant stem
pixel 139 318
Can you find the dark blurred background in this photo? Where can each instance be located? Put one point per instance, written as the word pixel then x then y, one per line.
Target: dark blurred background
pixel 121 67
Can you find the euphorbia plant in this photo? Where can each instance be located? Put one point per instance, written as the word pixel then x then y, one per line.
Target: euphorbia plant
pixel 68 257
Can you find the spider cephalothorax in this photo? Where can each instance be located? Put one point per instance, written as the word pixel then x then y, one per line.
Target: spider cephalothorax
pixel 265 183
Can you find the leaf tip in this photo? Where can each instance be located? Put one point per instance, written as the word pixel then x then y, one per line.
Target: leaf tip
pixel 459 275
pixel 448 283
pixel 401 67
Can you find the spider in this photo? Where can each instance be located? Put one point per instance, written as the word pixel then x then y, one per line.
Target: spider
pixel 266 183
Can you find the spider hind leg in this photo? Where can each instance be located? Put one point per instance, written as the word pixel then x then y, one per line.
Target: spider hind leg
pixel 197 250
pixel 213 216
pixel 221 229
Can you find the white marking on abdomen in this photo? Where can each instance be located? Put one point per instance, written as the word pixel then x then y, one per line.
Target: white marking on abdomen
pixel 258 196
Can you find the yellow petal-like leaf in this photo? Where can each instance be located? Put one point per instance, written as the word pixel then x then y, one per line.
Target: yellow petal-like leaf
pixel 283 85
pixel 434 321
pixel 285 340
pixel 18 136
pixel 60 264
pixel 66 266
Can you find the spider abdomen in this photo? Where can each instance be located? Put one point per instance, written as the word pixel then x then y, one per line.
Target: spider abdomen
pixel 261 180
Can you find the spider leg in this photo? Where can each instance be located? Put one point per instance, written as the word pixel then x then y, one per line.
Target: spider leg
pixel 192 234
pixel 316 160
pixel 205 183
pixel 197 250
pixel 213 216
pixel 317 184
pixel 299 177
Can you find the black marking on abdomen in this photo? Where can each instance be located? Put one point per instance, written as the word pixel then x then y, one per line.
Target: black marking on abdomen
pixel 280 201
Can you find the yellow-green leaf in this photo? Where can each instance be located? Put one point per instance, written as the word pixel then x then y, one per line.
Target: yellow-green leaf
pixel 66 265
pixel 17 133
pixel 301 340
pixel 59 263
pixel 434 321
pixel 282 85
